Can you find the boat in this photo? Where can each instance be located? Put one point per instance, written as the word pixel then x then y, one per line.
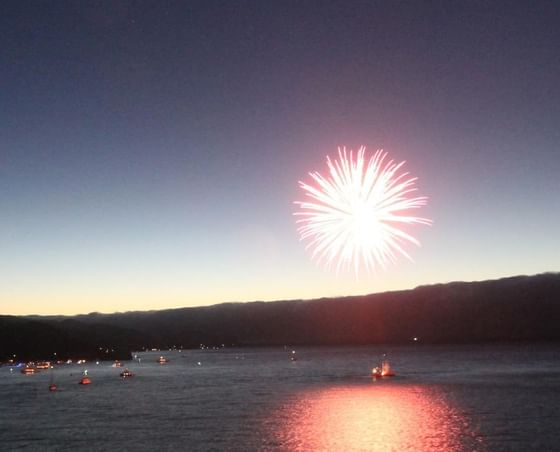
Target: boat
pixel 384 370
pixel 116 364
pixel 126 374
pixel 387 370
pixel 29 370
pixel 85 381
pixel 162 360
pixel 43 365
pixel 52 384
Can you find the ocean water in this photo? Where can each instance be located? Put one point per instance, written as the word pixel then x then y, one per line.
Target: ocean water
pixel 453 398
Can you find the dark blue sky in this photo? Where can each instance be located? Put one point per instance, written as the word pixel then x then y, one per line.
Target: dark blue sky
pixel 150 151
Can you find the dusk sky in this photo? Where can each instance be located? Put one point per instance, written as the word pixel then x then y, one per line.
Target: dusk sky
pixel 150 152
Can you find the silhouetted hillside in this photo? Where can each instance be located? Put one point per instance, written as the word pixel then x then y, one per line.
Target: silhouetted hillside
pixel 31 339
pixel 523 308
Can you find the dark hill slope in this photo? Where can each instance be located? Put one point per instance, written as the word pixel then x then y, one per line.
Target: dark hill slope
pixel 39 339
pixel 510 309
pixel 523 308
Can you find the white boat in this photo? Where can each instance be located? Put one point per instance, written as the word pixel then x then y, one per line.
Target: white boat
pixel 384 370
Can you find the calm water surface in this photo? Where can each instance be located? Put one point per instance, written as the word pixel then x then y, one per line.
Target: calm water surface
pixel 444 398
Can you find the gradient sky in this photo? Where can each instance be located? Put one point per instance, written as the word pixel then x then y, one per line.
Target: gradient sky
pixel 150 151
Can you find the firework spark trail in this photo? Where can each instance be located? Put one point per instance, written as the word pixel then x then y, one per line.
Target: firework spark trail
pixel 354 214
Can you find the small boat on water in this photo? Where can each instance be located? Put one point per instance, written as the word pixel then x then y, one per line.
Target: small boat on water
pixel 126 374
pixel 52 385
pixel 162 360
pixel 85 381
pixel 29 370
pixel 384 370
pixel 43 365
pixel 116 364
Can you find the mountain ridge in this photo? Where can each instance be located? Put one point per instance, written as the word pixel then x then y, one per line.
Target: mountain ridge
pixel 515 308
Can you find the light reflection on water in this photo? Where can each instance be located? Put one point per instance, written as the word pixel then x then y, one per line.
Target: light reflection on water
pixel 377 417
pixel 444 399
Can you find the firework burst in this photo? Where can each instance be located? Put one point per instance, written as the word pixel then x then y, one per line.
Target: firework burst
pixel 355 215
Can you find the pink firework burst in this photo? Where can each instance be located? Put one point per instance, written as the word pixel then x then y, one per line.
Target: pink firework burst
pixel 355 215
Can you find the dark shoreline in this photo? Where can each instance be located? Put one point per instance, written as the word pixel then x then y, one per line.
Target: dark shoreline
pixel 516 309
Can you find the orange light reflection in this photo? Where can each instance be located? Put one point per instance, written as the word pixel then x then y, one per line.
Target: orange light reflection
pixel 379 418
